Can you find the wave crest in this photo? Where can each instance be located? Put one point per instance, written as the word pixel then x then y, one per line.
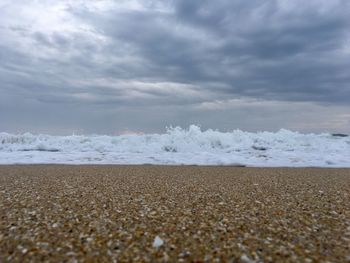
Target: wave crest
pixel 181 146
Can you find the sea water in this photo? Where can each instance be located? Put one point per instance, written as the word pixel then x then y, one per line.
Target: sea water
pixel 179 146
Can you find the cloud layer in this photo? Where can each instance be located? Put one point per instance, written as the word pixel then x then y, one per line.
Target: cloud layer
pixel 104 66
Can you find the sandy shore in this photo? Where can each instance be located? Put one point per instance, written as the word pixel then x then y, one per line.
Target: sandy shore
pixel 114 213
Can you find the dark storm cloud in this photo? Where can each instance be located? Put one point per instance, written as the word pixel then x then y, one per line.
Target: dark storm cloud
pixel 252 48
pixel 147 54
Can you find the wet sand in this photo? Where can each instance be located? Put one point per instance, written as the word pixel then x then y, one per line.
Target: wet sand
pixel 202 214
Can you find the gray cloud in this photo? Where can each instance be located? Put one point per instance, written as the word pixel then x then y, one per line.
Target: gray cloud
pixel 252 49
pixel 140 58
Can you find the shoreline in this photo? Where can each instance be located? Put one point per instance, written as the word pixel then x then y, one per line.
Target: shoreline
pixel 172 165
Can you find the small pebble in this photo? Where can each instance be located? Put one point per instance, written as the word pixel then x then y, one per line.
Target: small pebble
pixel 158 242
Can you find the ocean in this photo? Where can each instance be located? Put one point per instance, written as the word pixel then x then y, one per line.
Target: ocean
pixel 178 146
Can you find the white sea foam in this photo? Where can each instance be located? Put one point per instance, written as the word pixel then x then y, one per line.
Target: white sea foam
pixel 180 146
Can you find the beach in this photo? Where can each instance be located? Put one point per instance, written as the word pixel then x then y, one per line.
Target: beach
pixel 111 213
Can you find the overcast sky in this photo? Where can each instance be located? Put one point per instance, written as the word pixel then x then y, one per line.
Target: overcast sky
pixel 111 67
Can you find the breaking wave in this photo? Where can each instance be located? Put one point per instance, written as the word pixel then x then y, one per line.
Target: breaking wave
pixel 181 146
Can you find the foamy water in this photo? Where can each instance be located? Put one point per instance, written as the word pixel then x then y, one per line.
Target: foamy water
pixel 180 146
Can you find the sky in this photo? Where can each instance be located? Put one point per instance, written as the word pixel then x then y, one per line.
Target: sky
pixel 112 67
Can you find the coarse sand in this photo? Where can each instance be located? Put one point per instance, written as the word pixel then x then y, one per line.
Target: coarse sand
pixel 59 213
